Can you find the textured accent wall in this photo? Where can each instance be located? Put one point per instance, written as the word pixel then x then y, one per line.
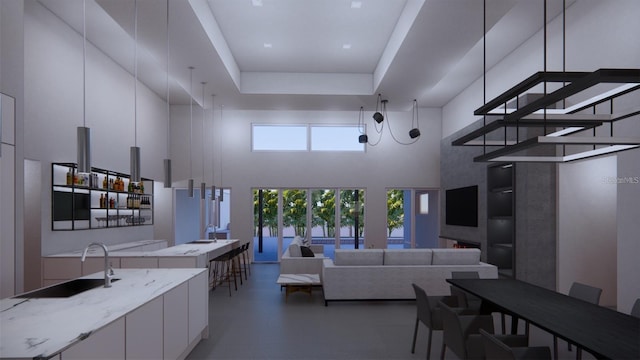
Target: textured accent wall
pixel 535 214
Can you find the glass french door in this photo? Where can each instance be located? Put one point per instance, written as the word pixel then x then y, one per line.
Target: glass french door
pixel 330 217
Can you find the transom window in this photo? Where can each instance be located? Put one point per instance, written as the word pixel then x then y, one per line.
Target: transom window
pixel 306 138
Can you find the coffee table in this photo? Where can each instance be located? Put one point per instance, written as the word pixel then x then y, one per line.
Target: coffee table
pixel 298 282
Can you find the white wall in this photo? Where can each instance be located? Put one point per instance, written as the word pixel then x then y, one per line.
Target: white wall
pixel 600 34
pixel 387 165
pixel 54 108
pixel 587 233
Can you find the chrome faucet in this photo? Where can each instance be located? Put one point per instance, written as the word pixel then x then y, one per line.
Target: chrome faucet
pixel 108 270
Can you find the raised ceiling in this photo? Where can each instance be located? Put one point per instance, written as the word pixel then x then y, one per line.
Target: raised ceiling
pixel 290 54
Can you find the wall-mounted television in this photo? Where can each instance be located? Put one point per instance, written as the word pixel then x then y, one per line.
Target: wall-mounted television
pixel 461 206
pixel 71 206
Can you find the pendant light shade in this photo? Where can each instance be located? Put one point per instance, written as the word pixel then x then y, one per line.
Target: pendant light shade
pixel 213 192
pixel 190 188
pixel 84 149
pixel 135 163
pixel 83 132
pixel 167 173
pixel 203 190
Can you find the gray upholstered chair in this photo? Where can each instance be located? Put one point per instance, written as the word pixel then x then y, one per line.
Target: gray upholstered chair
pixel 465 299
pixel 494 349
pixel 583 292
pixel 461 333
pixel 635 310
pixel 428 313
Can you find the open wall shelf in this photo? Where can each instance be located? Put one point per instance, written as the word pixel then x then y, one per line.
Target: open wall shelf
pixel 501 218
pixel 99 200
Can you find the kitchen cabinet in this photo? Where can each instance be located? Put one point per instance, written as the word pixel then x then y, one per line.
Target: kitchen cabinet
pixel 144 333
pixel 176 321
pixel 106 343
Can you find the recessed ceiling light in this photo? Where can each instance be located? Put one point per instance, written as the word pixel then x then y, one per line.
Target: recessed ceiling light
pixel 356 4
pixel 256 2
pixel 268 45
pixel 346 46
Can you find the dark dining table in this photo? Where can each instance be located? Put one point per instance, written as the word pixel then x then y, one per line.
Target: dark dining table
pixel 605 333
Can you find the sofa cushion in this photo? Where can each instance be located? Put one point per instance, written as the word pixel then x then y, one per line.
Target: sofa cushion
pixel 407 256
pixel 294 250
pixel 306 251
pixel 359 257
pixel 456 256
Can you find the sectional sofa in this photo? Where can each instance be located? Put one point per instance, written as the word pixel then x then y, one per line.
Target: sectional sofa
pixel 386 274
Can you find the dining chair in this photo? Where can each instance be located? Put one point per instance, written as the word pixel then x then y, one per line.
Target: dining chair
pixel 461 333
pixel 586 293
pixel 494 349
pixel 428 313
pixel 465 299
pixel 635 310
pixel 468 300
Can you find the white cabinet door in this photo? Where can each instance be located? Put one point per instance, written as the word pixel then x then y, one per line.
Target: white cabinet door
pixel 198 305
pixel 144 331
pixel 176 321
pixel 106 343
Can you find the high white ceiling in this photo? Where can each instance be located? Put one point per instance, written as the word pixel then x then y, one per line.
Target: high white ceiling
pixel 428 50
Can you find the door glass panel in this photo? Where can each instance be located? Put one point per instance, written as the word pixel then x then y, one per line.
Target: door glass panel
pixel 294 215
pixel 351 218
pixel 323 220
pixel 398 235
pixel 265 240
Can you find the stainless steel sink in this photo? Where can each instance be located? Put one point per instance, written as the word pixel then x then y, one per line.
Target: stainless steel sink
pixel 201 242
pixel 65 289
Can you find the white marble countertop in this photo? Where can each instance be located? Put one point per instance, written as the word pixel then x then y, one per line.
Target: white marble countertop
pixel 188 249
pixel 42 327
pixel 96 251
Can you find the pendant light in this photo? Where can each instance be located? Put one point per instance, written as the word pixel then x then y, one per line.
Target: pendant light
pixel 167 160
pixel 190 183
pixel 135 150
pixel 221 198
pixel 203 185
pixel 415 132
pixel 83 132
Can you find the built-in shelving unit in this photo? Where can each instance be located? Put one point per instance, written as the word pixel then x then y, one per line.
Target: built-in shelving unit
pixel 501 218
pixel 101 199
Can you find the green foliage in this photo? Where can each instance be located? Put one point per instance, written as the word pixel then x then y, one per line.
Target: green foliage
pixel 269 210
pixel 324 211
pixel 395 210
pixel 295 210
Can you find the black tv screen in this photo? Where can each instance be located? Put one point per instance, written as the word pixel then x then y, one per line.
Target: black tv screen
pixel 461 206
pixel 71 206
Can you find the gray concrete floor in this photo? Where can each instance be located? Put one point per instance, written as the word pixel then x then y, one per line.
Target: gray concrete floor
pixel 256 323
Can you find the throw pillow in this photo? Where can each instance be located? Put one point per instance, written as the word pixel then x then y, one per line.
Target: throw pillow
pixel 306 251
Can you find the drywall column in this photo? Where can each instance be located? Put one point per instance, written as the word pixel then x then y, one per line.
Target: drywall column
pixel 587 230
pixel 628 213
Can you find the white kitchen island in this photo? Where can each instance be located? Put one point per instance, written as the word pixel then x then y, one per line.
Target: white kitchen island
pixel 65 266
pixel 147 313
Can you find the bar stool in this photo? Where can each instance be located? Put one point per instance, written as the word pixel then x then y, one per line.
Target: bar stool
pixel 221 270
pixel 246 263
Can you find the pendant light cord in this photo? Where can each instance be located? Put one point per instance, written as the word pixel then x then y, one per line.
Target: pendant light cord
pixel 135 73
pixel 168 106
pixel 203 118
pixel 84 63
pixel 191 121
pixel 213 132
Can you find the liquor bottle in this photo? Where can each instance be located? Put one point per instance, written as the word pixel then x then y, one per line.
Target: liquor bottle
pixel 101 200
pixel 69 177
pixel 104 182
pixel 141 187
